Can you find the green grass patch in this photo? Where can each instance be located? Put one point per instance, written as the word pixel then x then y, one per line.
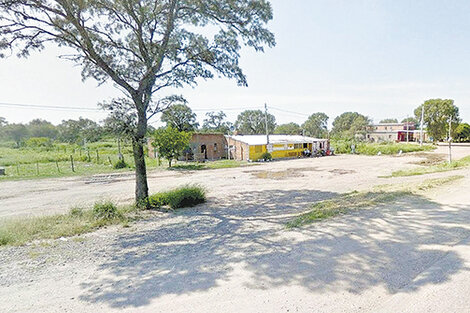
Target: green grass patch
pixel 386 148
pixel 182 197
pixel 343 204
pixel 442 167
pixel 210 165
pixel 19 231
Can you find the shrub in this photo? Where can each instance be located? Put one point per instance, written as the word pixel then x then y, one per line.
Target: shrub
pixel 105 211
pixel 267 156
pixel 36 142
pixel 120 164
pixel 158 200
pixel 183 197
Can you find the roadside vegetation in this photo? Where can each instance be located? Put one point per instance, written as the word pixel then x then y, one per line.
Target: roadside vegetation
pixel 182 197
pixel 196 166
pixel 343 146
pixel 19 231
pixel 353 201
pixel 442 167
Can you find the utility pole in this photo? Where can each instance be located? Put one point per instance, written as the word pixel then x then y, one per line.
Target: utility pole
pixel 407 130
pixel 422 126
pixel 450 140
pixel 266 120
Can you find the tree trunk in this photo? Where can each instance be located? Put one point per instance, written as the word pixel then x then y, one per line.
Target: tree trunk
pixel 141 185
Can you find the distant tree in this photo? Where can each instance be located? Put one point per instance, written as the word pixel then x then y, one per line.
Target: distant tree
pixel 389 120
pixel 3 121
pixel 350 124
pixel 215 122
pixel 288 129
pixel 16 132
pixel 170 142
pixel 436 117
pixel 252 122
pixel 316 125
pixel 42 128
pixel 80 131
pixel 411 120
pixel 181 117
pixel 462 132
pixel 142 46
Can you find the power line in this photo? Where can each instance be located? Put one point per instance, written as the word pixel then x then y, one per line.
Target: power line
pixel 48 107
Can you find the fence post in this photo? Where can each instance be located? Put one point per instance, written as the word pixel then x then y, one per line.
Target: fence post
pixel 109 159
pixel 57 164
pixel 71 161
pixel 18 169
pixel 88 154
pixel 97 157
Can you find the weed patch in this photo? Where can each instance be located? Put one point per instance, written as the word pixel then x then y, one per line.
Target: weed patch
pixel 78 221
pixel 442 167
pixel 183 197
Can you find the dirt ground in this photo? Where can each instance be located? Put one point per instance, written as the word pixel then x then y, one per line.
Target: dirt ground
pixel 234 253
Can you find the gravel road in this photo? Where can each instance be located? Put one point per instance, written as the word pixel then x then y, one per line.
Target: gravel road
pixel 234 253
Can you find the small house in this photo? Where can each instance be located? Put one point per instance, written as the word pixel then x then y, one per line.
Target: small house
pixel 252 147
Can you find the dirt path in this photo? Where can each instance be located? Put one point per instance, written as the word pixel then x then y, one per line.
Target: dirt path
pixel 235 255
pixel 329 174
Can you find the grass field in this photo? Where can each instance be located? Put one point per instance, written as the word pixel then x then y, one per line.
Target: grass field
pixel 97 158
pixel 56 161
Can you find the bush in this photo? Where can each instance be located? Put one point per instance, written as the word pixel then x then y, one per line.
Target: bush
pixel 158 200
pixel 36 142
pixel 183 197
pixel 105 211
pixel 267 156
pixel 120 164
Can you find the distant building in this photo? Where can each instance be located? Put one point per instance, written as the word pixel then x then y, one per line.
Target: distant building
pixel 204 146
pixel 252 147
pixel 397 132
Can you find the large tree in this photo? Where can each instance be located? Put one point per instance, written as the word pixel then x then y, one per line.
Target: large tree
pixel 350 124
pixel 143 46
pixel 3 121
pixel 79 131
pixel 181 117
pixel 437 113
pixel 253 122
pixel 288 129
pixel 215 122
pixel 462 132
pixel 316 125
pixel 389 120
pixel 42 128
pixel 16 132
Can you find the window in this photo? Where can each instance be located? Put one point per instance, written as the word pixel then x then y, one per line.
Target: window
pixel 305 145
pixel 215 147
pixel 298 146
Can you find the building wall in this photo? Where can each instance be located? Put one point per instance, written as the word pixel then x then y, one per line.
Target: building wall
pixel 215 145
pixel 242 151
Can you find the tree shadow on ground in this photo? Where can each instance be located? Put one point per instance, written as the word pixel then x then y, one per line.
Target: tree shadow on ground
pixel 197 249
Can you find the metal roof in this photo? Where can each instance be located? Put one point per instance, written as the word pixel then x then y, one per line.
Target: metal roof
pixel 256 140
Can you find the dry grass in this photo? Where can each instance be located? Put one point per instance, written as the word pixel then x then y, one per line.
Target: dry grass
pixel 380 195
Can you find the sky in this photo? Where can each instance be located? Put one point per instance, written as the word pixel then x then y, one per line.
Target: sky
pixel 380 58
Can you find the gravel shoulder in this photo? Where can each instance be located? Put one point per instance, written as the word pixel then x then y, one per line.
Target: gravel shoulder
pixel 234 253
